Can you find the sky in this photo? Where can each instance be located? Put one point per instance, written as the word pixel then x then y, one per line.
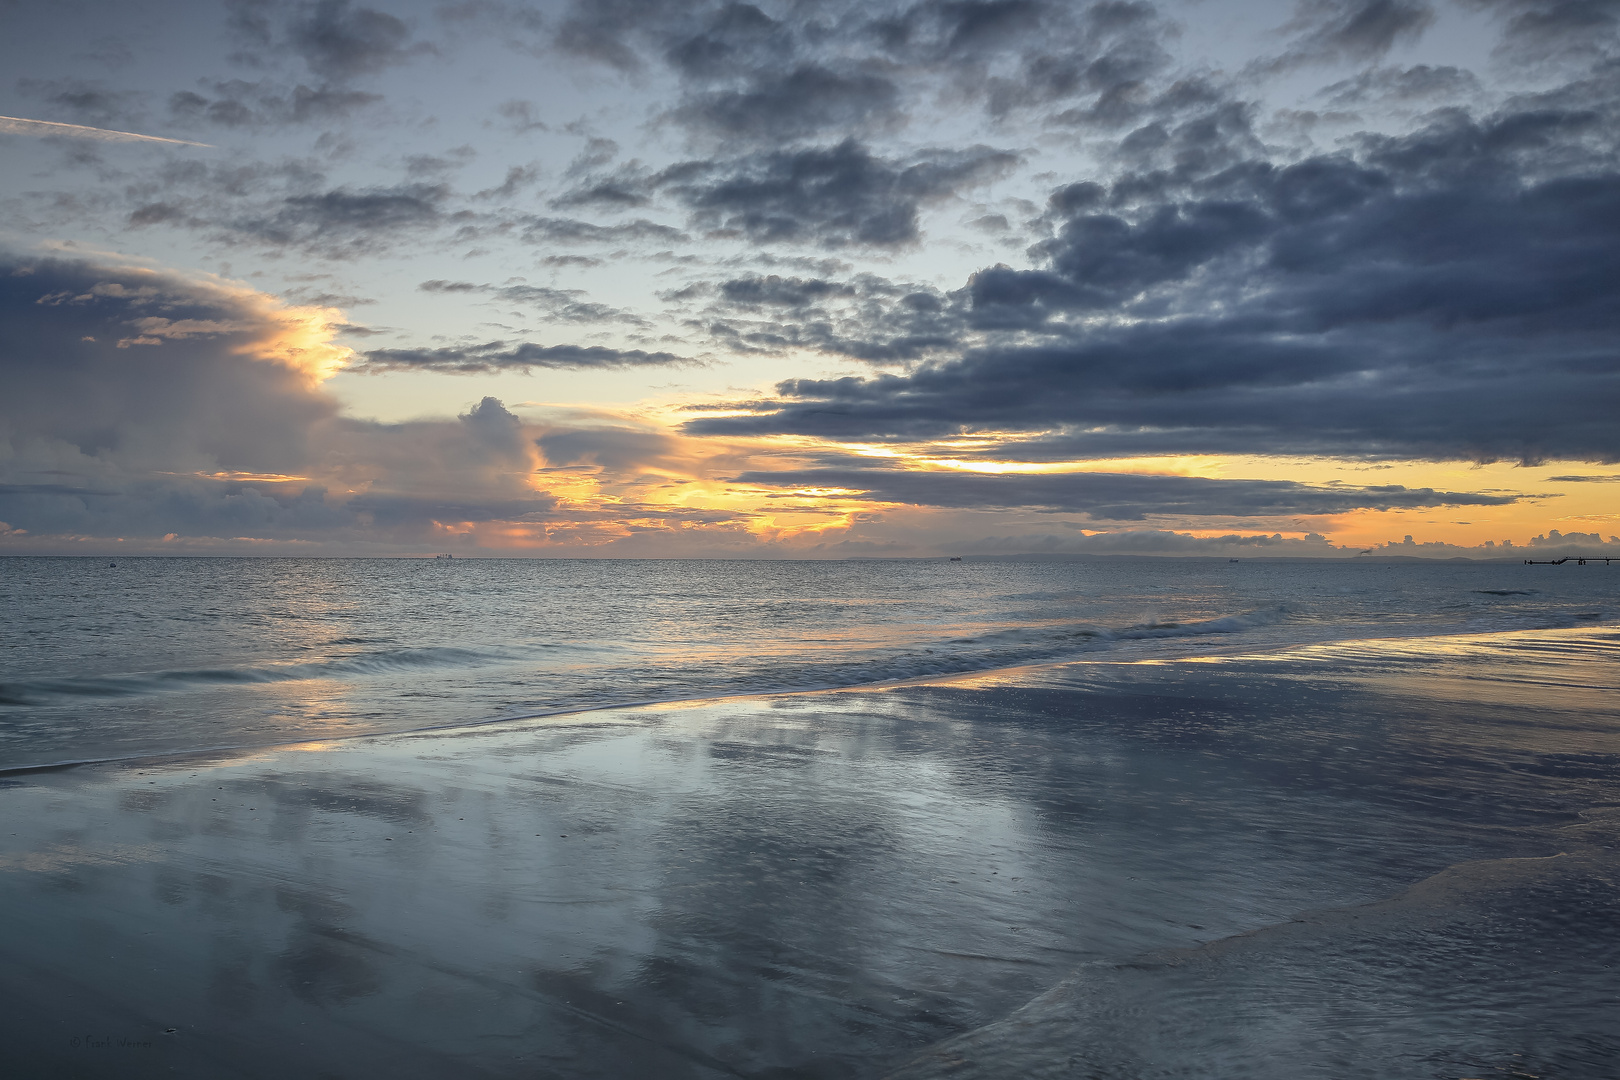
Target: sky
pixel 632 278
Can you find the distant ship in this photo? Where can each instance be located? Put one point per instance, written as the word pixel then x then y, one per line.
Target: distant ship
pixel 444 556
pixel 956 558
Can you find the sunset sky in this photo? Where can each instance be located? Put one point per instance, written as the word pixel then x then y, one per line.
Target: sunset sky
pixel 810 280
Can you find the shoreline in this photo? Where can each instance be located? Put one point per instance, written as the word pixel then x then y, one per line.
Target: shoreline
pixel 1234 651
pixel 824 883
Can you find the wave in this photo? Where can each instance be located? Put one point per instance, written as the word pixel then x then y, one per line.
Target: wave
pixel 566 676
pixel 953 656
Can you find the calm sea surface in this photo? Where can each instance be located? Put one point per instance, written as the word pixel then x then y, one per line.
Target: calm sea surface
pixel 109 658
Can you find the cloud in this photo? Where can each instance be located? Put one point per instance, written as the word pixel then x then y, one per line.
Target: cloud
pixel 521 116
pixel 1443 294
pixel 1060 547
pixel 1541 30
pixel 89 101
pixel 539 230
pixel 868 317
pixel 119 366
pixel 517 25
pixel 291 204
pixel 240 104
pixel 803 101
pixel 830 196
pixel 1333 30
pixel 760 291
pixel 810 72
pixel 617 449
pixel 335 40
pixel 505 356
pixel 140 402
pixel 556 305
pixel 340 221
pixel 1109 496
pixel 625 190
pixel 1418 83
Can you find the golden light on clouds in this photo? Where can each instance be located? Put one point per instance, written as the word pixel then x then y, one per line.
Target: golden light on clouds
pixel 298 337
pixel 1213 467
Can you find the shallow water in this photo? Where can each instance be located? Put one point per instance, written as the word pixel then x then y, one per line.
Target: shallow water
pixel 100 660
pixel 1050 869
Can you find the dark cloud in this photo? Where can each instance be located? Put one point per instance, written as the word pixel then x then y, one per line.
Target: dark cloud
pixel 390 511
pixel 597 152
pixel 1443 294
pixel 517 178
pixel 238 104
pixel 1111 496
pixel 620 189
pixel 437 165
pixel 759 291
pixel 1538 30
pixel 557 305
pixel 120 360
pixel 615 449
pixel 538 230
pixel 625 190
pixel 803 101
pixel 814 70
pixel 291 204
pixel 1334 30
pixel 342 221
pixel 339 41
pixel 599 31
pixel 1155 542
pixel 517 25
pixel 156 214
pixel 1101 68
pixel 1419 83
pixel 505 356
pixel 335 41
pixel 833 196
pixel 866 317
pixel 83 101
pixel 521 116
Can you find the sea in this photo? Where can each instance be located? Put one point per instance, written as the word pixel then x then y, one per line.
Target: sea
pixel 107 658
pixel 1110 819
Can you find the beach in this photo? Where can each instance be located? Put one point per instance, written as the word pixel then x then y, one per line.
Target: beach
pixel 1382 858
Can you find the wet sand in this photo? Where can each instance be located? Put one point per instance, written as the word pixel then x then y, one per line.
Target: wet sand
pixel 1091 870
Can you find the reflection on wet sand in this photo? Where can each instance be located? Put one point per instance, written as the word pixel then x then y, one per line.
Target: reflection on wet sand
pixel 1493 968
pixel 826 885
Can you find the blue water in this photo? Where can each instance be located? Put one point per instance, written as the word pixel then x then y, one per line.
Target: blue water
pixel 111 658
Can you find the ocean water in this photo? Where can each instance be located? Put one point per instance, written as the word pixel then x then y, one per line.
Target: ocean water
pixel 1113 820
pixel 110 658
